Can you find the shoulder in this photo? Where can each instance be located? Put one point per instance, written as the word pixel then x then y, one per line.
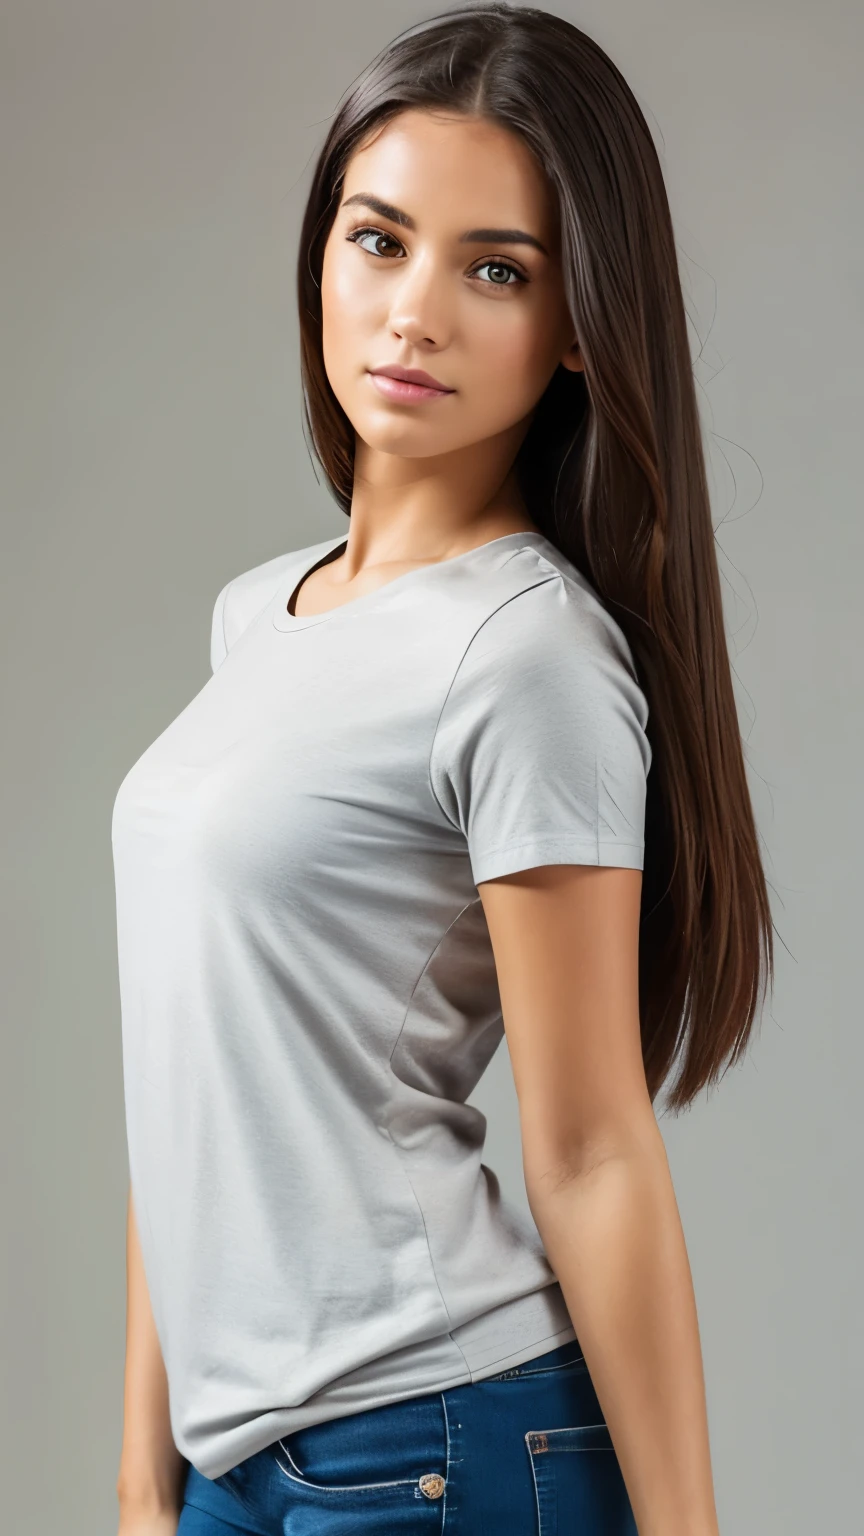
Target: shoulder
pixel 541 745
pixel 549 674
pixel 247 594
pixel 555 622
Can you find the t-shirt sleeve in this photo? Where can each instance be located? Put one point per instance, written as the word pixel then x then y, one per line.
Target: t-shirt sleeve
pixel 218 647
pixel 540 754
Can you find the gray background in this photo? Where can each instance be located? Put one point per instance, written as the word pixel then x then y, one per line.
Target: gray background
pixel 155 159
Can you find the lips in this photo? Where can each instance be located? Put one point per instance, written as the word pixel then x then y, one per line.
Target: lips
pixel 411 376
pixel 408 386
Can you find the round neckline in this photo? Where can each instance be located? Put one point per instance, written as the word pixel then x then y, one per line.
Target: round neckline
pixel 288 622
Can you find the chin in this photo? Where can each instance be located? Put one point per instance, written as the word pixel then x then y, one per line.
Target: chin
pixel 411 438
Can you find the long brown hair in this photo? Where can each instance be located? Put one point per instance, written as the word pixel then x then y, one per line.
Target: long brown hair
pixel 612 471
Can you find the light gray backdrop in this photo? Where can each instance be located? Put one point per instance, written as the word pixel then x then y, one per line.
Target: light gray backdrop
pixel 155 159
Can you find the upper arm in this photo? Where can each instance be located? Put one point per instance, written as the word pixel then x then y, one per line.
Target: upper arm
pixel 541 753
pixel 541 758
pixel 566 945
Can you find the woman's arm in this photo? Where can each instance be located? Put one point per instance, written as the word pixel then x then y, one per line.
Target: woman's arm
pixel 565 939
pixel 152 1470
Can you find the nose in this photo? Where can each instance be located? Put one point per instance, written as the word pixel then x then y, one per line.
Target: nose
pixel 419 311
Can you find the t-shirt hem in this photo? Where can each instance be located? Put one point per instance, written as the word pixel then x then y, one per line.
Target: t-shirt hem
pixel 515 1331
pixel 526 1352
pixel 502 1337
pixel 527 853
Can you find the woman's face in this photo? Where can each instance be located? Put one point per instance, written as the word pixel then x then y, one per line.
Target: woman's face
pixel 447 280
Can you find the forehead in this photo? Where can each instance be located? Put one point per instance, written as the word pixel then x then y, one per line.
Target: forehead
pixel 451 168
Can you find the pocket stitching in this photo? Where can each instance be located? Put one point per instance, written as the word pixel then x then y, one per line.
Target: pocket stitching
pixel 296 1476
pixel 543 1370
pixel 561 1450
pixel 532 1461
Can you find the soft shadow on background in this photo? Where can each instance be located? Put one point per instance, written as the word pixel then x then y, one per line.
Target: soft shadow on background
pixel 154 162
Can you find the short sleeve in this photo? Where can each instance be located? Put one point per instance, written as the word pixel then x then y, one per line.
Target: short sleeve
pixel 218 647
pixel 540 754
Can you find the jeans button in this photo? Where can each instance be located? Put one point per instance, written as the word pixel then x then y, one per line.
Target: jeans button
pixel 432 1485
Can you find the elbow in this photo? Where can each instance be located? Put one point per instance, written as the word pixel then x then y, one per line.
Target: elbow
pixel 551 1167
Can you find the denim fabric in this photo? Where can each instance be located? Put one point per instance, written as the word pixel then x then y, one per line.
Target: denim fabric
pixel 524 1453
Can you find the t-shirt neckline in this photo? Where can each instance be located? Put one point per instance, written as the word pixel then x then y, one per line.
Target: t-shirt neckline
pixel 289 622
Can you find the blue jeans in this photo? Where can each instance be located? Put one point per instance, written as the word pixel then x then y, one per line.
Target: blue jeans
pixel 525 1453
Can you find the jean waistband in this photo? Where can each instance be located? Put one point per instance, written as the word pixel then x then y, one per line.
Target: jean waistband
pixel 565 1354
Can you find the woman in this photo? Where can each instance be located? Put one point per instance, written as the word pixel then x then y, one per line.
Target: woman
pixel 473 767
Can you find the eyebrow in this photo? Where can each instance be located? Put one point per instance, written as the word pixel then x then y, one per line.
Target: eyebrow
pixel 471 236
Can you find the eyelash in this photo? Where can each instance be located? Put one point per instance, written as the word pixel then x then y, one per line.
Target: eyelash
pixel 371 229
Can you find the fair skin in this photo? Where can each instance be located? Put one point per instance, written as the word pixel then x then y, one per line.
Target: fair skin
pixel 432 480
pixel 150 1480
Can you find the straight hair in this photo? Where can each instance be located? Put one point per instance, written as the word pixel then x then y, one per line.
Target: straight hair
pixel 612 471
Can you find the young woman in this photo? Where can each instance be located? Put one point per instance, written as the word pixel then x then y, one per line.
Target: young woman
pixel 474 766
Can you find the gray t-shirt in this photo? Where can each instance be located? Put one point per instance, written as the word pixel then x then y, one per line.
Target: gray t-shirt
pixel 307 985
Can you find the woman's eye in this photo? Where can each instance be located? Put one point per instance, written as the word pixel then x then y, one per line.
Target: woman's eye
pixel 498 267
pixel 359 235
pixel 501 266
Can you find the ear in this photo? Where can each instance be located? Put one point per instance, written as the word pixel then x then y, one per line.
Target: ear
pixel 573 358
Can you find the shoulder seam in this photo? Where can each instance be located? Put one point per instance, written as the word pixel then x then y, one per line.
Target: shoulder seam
pixel 539 582
pixel 222 613
pixel 217 628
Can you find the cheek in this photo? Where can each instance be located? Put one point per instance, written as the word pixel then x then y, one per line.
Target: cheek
pixel 332 306
pixel 343 307
pixel 339 288
pixel 512 353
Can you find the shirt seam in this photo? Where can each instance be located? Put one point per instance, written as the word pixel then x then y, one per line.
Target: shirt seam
pixel 421 973
pixel 571 838
pixel 541 581
pixel 217 627
pixel 228 584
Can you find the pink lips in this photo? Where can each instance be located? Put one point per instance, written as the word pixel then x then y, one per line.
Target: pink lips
pixel 407 385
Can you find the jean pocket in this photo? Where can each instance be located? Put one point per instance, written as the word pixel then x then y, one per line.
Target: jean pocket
pixel 578 1483
pixel 426 1485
